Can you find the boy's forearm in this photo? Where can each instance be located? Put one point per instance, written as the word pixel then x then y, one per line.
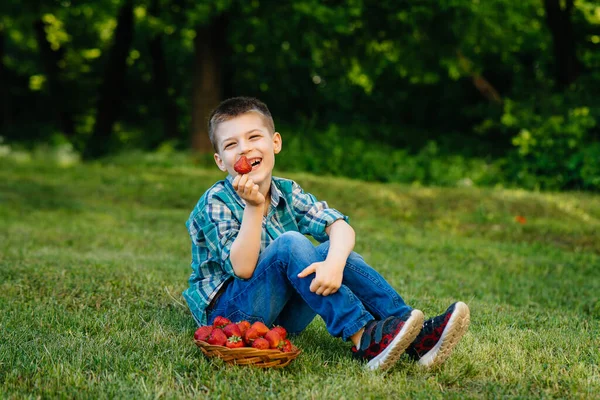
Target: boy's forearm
pixel 341 241
pixel 246 247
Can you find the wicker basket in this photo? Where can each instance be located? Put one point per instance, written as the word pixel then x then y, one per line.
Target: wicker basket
pixel 249 355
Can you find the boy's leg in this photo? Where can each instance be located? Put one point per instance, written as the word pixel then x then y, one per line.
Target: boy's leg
pixel 296 315
pixel 377 295
pixel 274 283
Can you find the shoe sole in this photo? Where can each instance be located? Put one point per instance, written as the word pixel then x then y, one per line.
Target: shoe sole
pixel 403 339
pixel 453 332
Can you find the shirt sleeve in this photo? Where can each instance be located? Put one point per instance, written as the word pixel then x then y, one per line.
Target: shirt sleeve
pixel 313 216
pixel 220 229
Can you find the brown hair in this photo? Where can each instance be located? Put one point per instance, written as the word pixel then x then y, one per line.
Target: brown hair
pixel 234 107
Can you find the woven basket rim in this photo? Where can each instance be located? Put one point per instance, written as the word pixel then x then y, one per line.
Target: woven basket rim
pixel 250 351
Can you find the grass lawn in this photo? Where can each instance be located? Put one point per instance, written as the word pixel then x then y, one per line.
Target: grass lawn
pixel 93 260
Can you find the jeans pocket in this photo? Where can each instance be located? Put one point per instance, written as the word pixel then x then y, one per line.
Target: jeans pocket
pixel 237 316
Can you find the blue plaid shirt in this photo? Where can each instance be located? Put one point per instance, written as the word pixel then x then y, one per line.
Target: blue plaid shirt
pixel 216 220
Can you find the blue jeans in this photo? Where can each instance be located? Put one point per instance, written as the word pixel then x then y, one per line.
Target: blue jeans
pixel 275 295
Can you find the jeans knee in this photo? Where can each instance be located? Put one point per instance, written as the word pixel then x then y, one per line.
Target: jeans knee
pixel 293 240
pixel 297 250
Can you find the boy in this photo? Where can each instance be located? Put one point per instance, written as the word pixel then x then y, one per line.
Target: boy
pixel 251 260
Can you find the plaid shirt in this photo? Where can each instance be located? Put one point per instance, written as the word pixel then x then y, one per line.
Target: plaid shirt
pixel 216 220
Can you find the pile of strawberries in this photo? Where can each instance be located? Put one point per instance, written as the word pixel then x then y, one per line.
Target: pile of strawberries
pixel 223 332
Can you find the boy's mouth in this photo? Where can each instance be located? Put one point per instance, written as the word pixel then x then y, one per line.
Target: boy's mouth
pixel 255 162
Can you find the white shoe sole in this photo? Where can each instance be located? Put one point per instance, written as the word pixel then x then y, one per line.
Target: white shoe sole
pixel 453 332
pixel 403 339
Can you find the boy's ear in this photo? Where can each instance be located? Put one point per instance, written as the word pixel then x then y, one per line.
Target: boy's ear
pixel 219 162
pixel 277 142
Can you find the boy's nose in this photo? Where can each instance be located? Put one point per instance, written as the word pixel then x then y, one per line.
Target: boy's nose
pixel 245 147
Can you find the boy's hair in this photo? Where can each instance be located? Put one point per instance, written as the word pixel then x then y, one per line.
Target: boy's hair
pixel 234 107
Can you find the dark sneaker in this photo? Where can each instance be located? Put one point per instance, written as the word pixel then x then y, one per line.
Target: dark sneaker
pixel 439 336
pixel 383 342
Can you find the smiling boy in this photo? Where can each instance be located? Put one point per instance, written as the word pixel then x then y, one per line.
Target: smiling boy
pixel 251 259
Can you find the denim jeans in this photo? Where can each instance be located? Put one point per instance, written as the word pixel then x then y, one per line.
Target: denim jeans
pixel 275 295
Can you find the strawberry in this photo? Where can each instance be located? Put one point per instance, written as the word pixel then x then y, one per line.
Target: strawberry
pixel 287 346
pixel 261 343
pixel 273 338
pixel 251 335
pixel 232 330
pixel 243 325
pixel 203 333
pixel 234 342
pixel 217 337
pixel 261 328
pixel 242 166
pixel 221 322
pixel 281 330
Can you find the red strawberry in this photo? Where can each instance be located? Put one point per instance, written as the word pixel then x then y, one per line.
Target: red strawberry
pixel 221 322
pixel 287 346
pixel 261 343
pixel 234 342
pixel 242 166
pixel 273 338
pixel 251 335
pixel 261 328
pixel 217 337
pixel 232 330
pixel 203 333
pixel 281 330
pixel 243 325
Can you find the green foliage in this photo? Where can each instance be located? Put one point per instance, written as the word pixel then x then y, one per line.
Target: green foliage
pixel 399 74
pixel 331 153
pixel 555 146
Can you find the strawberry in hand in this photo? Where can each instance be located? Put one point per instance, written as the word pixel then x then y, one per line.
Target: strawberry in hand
pixel 242 166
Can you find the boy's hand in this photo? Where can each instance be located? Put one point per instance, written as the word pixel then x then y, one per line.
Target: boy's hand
pixel 248 190
pixel 328 277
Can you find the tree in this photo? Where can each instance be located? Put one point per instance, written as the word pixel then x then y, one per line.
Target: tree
pixel 207 78
pixel 50 60
pixel 558 18
pixel 112 88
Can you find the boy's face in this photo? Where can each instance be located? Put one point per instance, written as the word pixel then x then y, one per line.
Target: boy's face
pixel 247 135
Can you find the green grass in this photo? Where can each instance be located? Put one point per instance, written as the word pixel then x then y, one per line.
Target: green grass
pixel 93 260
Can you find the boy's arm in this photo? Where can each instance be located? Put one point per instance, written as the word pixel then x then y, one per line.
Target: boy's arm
pixel 246 246
pixel 329 273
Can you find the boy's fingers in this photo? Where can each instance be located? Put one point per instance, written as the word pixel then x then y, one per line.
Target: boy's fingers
pixel 307 271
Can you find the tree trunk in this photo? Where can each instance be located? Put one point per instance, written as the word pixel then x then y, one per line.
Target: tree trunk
pixel 112 87
pixel 56 88
pixel 558 19
pixel 161 83
pixel 207 80
pixel 5 112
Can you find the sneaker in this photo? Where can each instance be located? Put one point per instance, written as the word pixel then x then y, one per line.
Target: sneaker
pixel 383 342
pixel 439 336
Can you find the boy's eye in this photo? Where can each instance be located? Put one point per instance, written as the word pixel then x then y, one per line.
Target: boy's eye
pixel 228 145
pixel 254 136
